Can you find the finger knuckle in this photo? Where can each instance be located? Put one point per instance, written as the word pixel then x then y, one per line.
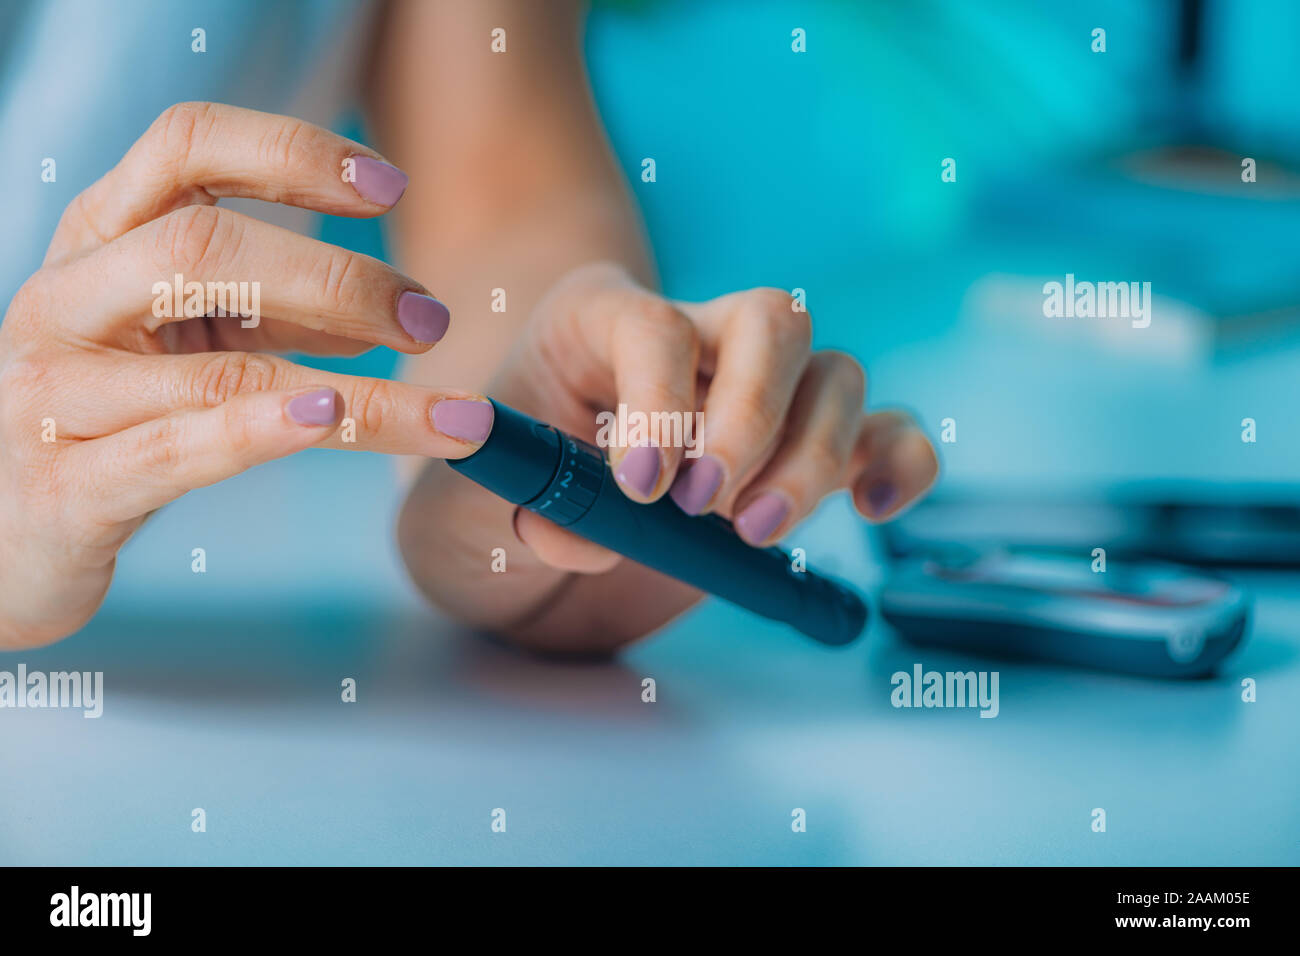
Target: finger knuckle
pixel 844 369
pixel 83 212
pixel 283 146
pixel 239 434
pixel 180 128
pixel 338 273
pixel 28 305
pixel 667 324
pixel 26 383
pixel 159 445
pixel 773 311
pixel 227 374
pixel 192 237
pixel 371 405
pixel 773 299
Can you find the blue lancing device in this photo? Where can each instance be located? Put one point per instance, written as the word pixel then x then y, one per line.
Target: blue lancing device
pixel 568 481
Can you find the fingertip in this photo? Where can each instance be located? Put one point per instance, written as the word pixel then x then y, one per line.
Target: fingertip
pixel 697 484
pixel 467 420
pixel 376 181
pixel 423 318
pixel 758 521
pixel 873 496
pixel 932 466
pixel 560 548
pixel 315 408
pixel 638 471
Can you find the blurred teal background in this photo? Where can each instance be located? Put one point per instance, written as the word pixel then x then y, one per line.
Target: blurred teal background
pixel 821 171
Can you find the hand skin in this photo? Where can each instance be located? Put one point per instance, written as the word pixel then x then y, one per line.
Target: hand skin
pixel 109 410
pixel 782 428
pixel 514 187
pixel 143 407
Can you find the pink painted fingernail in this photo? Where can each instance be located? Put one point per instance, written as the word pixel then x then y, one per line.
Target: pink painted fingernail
pixel 696 484
pixel 761 517
pixel 881 497
pixel 465 419
pixel 424 317
pixel 639 469
pixel 377 181
pixel 321 407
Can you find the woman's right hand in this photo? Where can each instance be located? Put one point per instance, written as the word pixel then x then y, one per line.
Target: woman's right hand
pixel 108 410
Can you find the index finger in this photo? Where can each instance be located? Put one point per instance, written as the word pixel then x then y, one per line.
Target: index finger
pixel 197 153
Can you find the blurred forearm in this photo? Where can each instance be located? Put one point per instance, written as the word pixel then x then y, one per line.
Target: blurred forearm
pixel 512 181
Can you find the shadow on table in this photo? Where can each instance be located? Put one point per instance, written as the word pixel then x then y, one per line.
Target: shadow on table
pixel 300 656
pixel 709 672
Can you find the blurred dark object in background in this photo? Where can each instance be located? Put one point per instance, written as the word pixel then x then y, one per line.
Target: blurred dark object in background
pixel 1150 619
pixel 1192 524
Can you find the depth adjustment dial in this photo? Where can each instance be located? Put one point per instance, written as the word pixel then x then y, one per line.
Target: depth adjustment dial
pixel 575 484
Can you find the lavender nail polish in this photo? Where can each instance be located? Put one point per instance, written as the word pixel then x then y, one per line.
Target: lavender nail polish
pixel 321 407
pixel 465 419
pixel 639 469
pixel 377 181
pixel 761 517
pixel 424 317
pixel 696 484
pixel 881 497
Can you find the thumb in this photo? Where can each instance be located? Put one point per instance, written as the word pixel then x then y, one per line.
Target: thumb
pixel 560 548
